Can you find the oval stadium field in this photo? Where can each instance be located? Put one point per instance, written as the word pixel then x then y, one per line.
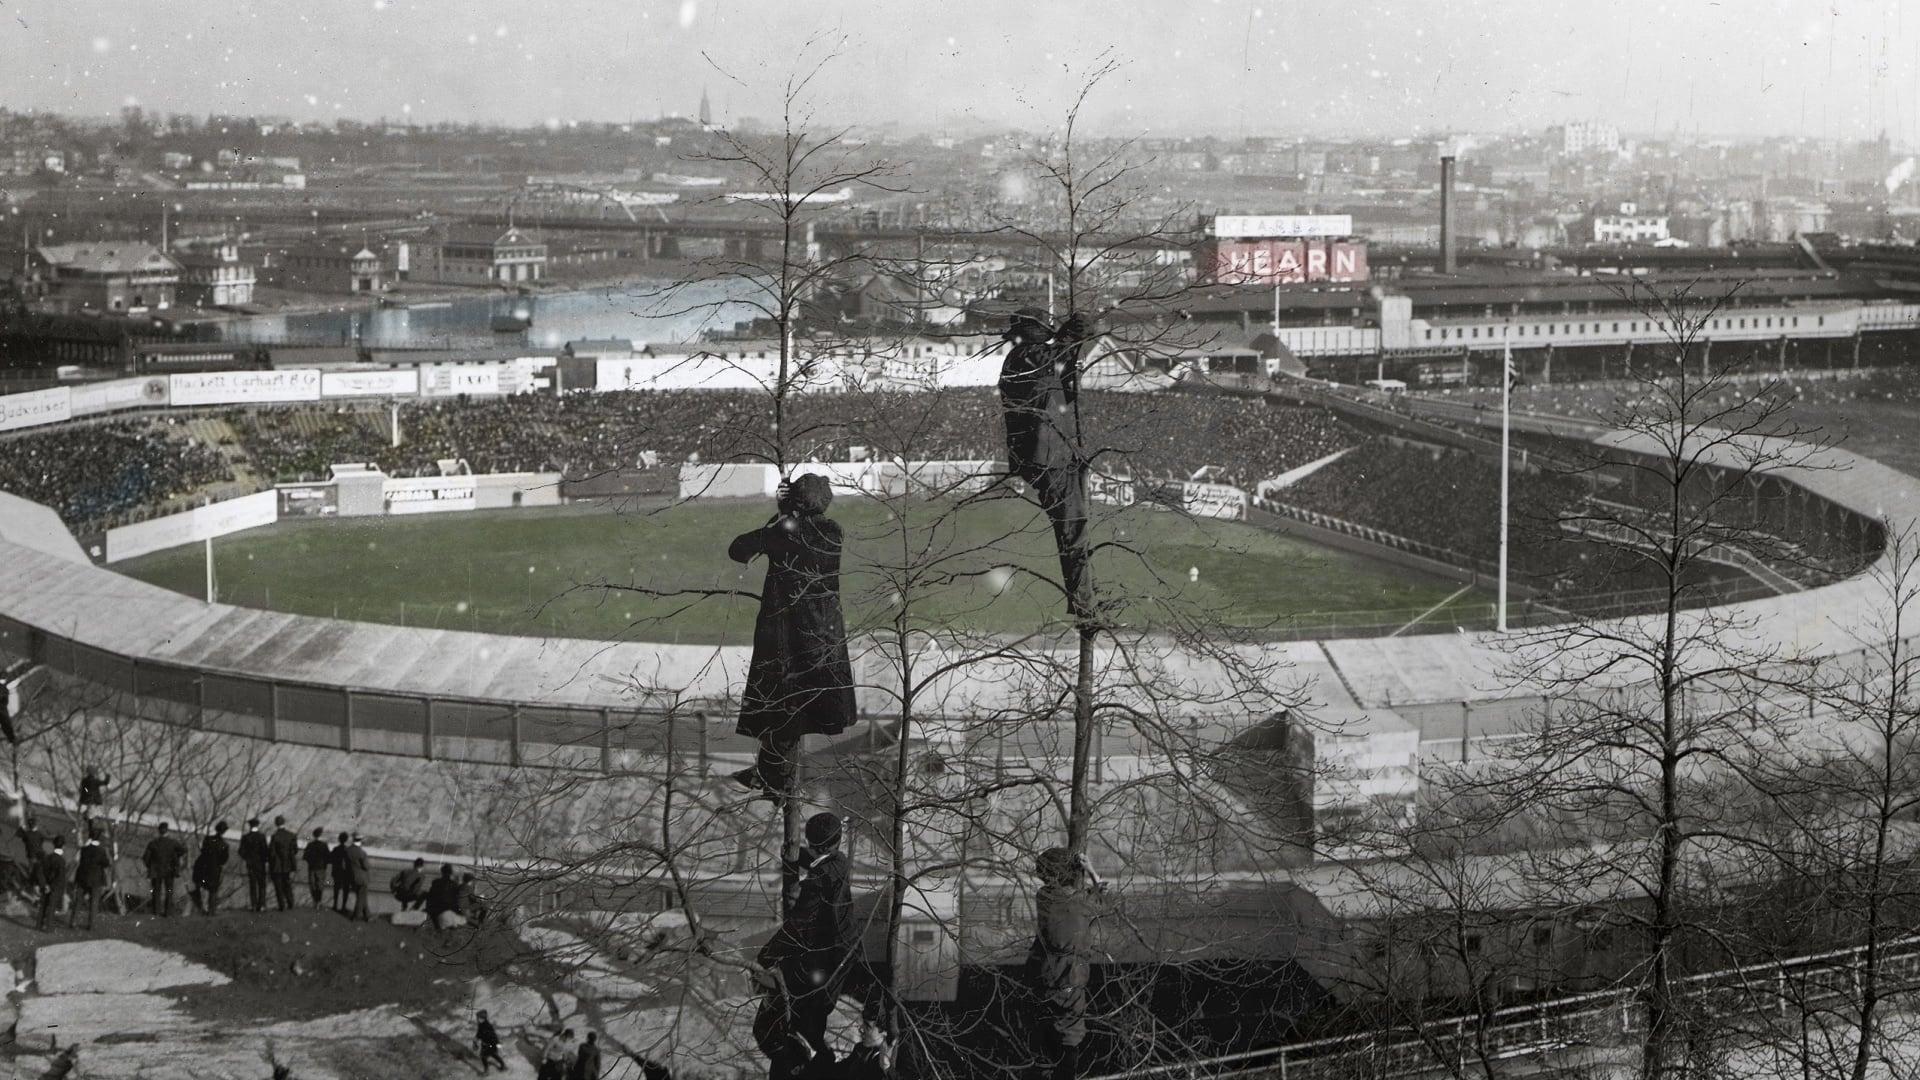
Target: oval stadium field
pixel 586 571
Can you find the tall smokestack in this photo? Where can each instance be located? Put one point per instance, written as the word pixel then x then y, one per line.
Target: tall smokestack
pixel 1447 262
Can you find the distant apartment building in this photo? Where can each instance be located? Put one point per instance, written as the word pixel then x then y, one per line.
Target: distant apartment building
pixel 482 257
pixel 212 275
pixel 113 275
pixel 333 267
pixel 1588 137
pixel 1626 226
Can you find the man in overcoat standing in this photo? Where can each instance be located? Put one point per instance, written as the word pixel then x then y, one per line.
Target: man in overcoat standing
pixel 283 855
pixel 800 681
pixel 162 860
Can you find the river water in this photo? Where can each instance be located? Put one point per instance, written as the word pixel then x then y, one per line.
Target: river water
pixel 645 312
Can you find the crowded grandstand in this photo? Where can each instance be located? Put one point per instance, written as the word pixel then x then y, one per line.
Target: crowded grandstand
pixel 1298 455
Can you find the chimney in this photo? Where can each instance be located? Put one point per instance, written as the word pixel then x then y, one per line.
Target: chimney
pixel 1448 264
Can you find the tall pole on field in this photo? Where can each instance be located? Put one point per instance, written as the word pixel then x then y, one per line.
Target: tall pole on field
pixel 1506 430
pixel 209 550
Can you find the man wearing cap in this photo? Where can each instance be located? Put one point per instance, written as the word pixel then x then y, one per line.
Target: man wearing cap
pixel 1039 384
pixel 50 876
pixel 813 948
pixel 318 858
pixel 253 853
pixel 1058 964
pixel 487 1038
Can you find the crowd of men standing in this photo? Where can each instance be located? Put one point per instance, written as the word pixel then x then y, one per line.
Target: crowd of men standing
pixel 337 873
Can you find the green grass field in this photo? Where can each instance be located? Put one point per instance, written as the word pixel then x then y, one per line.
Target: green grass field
pixel 596 573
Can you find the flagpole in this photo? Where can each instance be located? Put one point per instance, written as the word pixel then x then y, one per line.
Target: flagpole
pixel 209 549
pixel 1506 425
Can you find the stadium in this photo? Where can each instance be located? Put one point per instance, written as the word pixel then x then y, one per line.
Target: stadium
pixel 397 588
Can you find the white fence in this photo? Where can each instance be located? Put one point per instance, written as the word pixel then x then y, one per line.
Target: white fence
pixel 193 526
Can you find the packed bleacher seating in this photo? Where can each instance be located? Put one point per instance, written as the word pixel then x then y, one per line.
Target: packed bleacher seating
pixel 1606 400
pixel 1410 489
pixel 94 472
pixel 301 444
pixel 1245 440
pixel 1448 499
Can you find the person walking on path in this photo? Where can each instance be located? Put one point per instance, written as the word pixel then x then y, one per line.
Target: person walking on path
pixel 90 879
pixel 283 855
pixel 586 1062
pixel 162 860
pixel 488 1040
pixel 253 853
pixel 556 1061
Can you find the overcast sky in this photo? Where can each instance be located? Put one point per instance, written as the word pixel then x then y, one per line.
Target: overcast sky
pixel 1842 68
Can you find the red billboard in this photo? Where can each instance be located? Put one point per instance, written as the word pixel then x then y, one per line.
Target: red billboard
pixel 1270 261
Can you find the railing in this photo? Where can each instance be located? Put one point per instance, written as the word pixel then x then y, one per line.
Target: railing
pixel 1599 1018
pixel 433 726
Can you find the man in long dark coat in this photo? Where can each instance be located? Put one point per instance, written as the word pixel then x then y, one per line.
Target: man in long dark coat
pixel 1039 385
pixel 90 878
pixel 813 949
pixel 208 868
pixel 253 853
pixel 800 681
pixel 51 875
pixel 283 856
pixel 162 860
pixel 318 858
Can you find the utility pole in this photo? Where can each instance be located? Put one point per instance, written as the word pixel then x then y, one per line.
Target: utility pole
pixel 1506 429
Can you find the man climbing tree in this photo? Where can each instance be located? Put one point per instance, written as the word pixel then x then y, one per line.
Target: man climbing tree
pixel 808 957
pixel 1039 388
pixel 1059 964
pixel 800 681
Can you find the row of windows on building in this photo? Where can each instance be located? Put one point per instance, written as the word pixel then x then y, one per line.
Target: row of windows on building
pixel 1771 322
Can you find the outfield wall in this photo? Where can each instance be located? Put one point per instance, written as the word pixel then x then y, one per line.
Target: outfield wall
pixel 390 495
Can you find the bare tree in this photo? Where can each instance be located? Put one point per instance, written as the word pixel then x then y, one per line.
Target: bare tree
pixel 1650 720
pixel 1842 795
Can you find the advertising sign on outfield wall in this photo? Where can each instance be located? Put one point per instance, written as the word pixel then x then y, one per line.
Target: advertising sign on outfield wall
pixel 35 408
pixel 308 500
pixel 370 383
pixel 1111 490
pixel 145 393
pixel 244 387
pixel 192 526
pixel 451 380
pixel 1214 501
pixel 428 494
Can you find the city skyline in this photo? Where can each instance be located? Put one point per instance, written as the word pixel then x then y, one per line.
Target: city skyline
pixel 1231 67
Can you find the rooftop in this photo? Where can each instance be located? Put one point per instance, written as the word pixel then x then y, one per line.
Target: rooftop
pixel 111 257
